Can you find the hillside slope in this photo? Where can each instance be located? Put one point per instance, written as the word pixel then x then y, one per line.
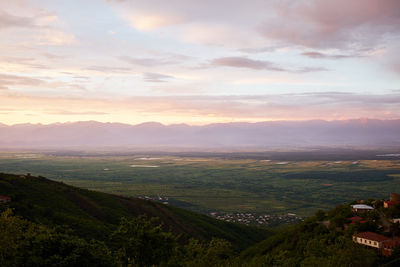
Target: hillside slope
pixel 95 215
pixel 327 240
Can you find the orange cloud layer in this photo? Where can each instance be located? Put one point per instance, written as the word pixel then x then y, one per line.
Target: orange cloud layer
pixel 198 109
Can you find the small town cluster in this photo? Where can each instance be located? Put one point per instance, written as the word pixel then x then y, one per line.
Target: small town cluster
pixel 387 236
pixel 257 219
pixel 161 199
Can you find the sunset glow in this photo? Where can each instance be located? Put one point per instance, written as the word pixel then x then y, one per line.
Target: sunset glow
pixel 198 62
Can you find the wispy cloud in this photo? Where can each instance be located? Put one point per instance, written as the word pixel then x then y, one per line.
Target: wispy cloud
pixel 315 54
pixel 36 83
pixel 247 63
pixel 243 62
pixel 28 62
pixel 310 69
pixel 147 61
pixel 7 80
pixel 109 69
pixel 334 24
pixel 12 21
pixel 40 26
pixel 156 77
pixel 68 112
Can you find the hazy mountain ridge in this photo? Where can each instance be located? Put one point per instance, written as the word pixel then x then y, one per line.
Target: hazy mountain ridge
pixel 358 132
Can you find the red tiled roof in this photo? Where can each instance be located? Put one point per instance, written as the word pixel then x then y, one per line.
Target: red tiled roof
pixel 355 219
pixel 392 243
pixel 5 197
pixel 372 236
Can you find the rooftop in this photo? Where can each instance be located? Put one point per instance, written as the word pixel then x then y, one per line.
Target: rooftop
pixel 372 236
pixel 392 243
pixel 356 219
pixel 362 207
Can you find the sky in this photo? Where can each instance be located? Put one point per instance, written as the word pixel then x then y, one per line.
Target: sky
pixel 198 62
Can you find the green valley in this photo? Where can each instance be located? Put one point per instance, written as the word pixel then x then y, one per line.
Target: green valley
pixel 221 183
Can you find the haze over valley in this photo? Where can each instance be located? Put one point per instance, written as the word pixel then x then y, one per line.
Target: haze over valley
pixel 250 136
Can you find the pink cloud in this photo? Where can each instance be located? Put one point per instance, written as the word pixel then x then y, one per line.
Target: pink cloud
pixel 247 63
pixel 242 62
pixel 156 77
pixel 315 54
pixel 12 21
pixel 334 24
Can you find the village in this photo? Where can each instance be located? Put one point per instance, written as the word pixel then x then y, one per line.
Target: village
pixel 242 217
pixel 258 219
pixel 162 199
pixel 377 224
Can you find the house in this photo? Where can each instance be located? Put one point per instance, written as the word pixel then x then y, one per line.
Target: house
pixel 388 204
pixel 370 239
pixel 361 208
pixel 394 200
pixel 357 219
pixel 384 244
pixel 389 245
pixel 5 199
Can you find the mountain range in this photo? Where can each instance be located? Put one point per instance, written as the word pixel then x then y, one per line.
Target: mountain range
pixel 260 135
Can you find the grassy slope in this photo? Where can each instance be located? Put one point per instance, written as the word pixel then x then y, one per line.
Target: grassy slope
pixel 94 214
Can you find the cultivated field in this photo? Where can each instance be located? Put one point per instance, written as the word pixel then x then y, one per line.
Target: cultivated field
pixel 219 183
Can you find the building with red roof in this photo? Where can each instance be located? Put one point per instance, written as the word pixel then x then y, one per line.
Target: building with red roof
pixel 388 204
pixel 394 200
pixel 384 244
pixel 389 245
pixel 357 219
pixel 370 239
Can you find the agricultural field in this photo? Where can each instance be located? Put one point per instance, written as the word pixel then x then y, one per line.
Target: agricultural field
pixel 215 183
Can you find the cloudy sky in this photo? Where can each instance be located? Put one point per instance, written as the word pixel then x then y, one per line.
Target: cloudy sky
pixel 198 62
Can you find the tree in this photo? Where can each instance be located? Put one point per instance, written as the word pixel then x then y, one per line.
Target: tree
pixel 216 253
pixel 24 243
pixel 320 215
pixel 12 230
pixel 139 242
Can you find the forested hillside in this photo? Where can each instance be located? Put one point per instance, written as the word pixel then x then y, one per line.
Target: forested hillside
pixel 95 215
pixel 46 223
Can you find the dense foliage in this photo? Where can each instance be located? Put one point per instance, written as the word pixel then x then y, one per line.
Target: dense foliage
pixel 142 242
pixel 310 244
pixel 52 224
pixel 95 215
pixel 136 242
